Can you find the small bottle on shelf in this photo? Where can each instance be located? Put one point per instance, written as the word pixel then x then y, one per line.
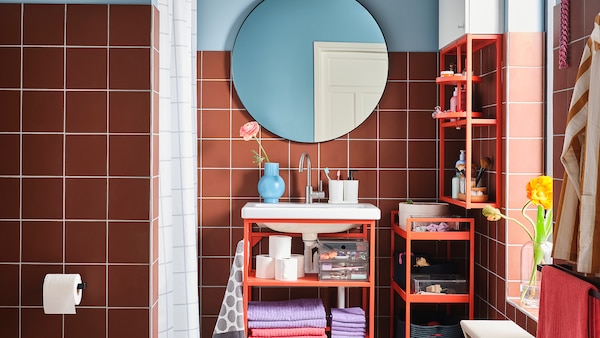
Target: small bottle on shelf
pixel 454 99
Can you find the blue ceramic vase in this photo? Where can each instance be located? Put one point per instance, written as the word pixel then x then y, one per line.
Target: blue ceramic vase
pixel 271 185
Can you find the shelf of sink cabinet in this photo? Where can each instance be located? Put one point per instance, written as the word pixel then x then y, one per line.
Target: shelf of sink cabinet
pixel 365 229
pixel 311 279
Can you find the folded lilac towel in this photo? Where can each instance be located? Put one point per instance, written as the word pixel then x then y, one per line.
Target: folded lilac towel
pixel 265 324
pixel 335 323
pixel 346 334
pixel 286 310
pixel 348 315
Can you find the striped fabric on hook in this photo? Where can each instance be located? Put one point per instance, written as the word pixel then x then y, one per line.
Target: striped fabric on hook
pixel 564 34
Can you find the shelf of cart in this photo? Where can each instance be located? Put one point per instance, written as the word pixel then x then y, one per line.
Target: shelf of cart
pixel 308 280
pixel 464 204
pixel 429 298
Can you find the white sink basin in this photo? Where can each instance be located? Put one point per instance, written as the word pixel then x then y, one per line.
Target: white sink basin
pixel 311 211
pixel 303 217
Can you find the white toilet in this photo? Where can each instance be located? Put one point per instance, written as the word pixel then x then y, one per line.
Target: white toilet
pixel 493 329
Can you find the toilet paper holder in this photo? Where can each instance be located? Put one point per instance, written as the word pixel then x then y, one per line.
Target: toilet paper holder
pixel 81 286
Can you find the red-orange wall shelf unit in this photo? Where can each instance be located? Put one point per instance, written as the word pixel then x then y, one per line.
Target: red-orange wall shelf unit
pixel 478 68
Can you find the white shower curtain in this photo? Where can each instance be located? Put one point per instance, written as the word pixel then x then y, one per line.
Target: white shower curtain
pixel 178 309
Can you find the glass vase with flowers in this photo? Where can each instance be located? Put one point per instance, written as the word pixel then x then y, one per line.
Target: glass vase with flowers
pixel 537 250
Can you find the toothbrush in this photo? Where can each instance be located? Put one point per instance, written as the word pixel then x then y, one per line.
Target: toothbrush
pixel 338 175
pixel 326 170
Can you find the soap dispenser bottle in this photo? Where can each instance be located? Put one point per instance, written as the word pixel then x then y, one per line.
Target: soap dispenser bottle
pixel 454 99
pixel 459 179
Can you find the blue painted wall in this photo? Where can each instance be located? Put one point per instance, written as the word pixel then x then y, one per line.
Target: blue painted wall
pixel 111 2
pixel 407 25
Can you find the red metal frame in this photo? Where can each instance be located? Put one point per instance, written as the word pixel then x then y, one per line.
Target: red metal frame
pixel 367 232
pixel 466 46
pixel 409 236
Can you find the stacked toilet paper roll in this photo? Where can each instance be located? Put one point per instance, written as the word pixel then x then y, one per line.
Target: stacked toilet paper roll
pixel 280 246
pixel 280 263
pixel 286 269
pixel 265 267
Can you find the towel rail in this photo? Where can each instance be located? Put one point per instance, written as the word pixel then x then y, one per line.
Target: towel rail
pixel 567 269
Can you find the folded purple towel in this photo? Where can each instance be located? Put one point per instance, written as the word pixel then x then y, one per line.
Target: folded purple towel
pixel 335 323
pixel 348 315
pixel 287 310
pixel 346 334
pixel 280 324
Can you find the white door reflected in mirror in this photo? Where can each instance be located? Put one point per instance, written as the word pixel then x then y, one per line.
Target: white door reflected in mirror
pixel 349 80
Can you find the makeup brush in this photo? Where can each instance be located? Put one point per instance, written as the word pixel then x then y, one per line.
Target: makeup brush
pixel 484 163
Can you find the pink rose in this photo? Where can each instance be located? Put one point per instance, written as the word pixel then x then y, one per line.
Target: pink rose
pixel 249 130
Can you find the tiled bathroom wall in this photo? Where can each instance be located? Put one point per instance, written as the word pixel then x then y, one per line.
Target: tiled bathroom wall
pixel 75 176
pixel 395 152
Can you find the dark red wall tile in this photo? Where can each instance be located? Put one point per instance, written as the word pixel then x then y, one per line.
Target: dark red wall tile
pixel 43 24
pixel 86 112
pixel 395 96
pixel 129 25
pixel 10 67
pixel 10 119
pixel 42 198
pixel 86 155
pixel 42 242
pixel 10 285
pixel 10 249
pixel 43 111
pixel 130 112
pixel 129 68
pixel 122 149
pixel 128 285
pixel 10 24
pixel 10 151
pixel 128 198
pixel 85 198
pixel 43 154
pixel 85 242
pixel 10 321
pixel 422 66
pixel 34 324
pixel 128 242
pixel 89 323
pixel 43 67
pixel 86 68
pixel 120 323
pixel 87 25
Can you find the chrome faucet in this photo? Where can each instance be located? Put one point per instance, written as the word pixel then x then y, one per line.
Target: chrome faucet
pixel 309 194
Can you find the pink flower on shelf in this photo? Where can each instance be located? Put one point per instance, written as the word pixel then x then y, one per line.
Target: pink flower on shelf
pixel 249 131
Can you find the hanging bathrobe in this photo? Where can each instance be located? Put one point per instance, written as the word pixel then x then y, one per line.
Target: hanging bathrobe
pixel 577 231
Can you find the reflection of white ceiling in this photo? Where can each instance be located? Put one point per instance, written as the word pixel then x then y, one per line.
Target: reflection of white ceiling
pixel 349 81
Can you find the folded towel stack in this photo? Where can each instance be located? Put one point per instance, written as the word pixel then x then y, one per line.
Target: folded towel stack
pixel 348 323
pixel 297 318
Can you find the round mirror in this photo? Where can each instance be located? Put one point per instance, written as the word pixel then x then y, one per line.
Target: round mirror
pixel 309 70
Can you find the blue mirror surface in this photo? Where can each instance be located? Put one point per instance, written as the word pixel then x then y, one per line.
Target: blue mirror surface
pixel 272 60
